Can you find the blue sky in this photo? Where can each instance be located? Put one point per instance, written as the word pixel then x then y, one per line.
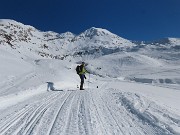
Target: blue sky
pixel 131 19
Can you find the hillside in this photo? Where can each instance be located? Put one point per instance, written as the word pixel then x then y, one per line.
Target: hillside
pixel 133 87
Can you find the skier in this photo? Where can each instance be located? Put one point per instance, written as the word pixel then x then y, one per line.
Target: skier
pixel 81 71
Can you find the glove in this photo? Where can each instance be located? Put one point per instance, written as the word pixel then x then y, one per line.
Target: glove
pixel 84 76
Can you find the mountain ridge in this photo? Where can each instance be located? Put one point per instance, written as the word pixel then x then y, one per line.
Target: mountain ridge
pixel 50 44
pixel 93 41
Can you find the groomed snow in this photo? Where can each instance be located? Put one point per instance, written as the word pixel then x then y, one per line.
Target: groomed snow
pixel 115 107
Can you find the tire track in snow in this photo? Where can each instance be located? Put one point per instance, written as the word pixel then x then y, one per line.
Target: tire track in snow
pixel 34 120
pixel 95 116
pixel 89 112
pixel 119 120
pixel 21 120
pixel 125 123
pixel 13 120
pixel 45 125
pixel 114 118
pixel 73 117
pixel 83 116
pixel 58 121
pixel 108 120
pixel 36 116
pixel 143 125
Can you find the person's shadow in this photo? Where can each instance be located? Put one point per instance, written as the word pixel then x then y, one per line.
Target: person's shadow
pixel 50 86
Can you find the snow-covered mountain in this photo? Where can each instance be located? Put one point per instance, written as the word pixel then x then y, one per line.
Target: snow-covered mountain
pixel 54 45
pixel 29 41
pixel 29 44
pixel 133 88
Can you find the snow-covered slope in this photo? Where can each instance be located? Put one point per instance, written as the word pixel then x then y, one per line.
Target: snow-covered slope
pixel 133 88
pixel 29 41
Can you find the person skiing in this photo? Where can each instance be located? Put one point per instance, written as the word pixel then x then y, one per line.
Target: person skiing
pixel 81 71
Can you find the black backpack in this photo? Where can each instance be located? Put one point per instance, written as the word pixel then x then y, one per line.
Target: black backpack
pixel 78 69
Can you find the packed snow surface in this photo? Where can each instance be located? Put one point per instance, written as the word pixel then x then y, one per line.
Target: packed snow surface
pixel 132 88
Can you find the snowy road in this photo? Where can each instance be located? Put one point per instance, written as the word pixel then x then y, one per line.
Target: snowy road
pixel 90 112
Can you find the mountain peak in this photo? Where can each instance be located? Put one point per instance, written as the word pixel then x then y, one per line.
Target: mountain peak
pixel 93 31
pixel 68 34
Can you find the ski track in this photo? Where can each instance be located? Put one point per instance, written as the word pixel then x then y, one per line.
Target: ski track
pixel 75 112
pixel 127 121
